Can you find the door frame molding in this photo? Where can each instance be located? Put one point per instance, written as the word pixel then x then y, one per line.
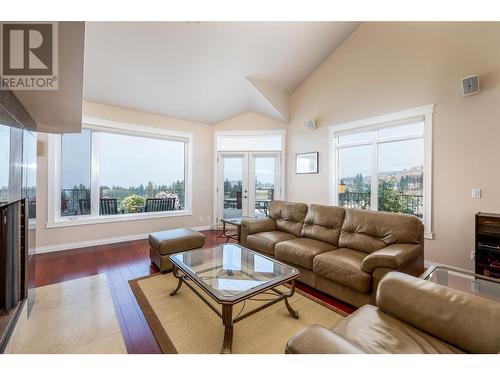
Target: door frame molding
pixel 243 133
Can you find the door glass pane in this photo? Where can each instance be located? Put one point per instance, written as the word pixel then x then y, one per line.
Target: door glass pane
pixel 397 131
pixel 233 186
pixel 400 177
pixel 4 163
pixel 139 174
pixel 355 177
pixel 75 174
pixel 265 174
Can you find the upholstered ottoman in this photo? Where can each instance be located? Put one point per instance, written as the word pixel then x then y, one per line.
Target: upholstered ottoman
pixel 165 243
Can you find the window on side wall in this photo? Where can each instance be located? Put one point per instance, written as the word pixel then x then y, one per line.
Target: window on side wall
pixel 107 175
pixel 384 166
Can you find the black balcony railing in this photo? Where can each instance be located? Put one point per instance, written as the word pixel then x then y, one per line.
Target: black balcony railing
pixel 404 203
pixel 233 196
pixel 71 201
pixel 355 200
pixel 4 196
pixel 77 202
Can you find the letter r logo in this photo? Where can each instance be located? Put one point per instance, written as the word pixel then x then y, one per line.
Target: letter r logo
pixel 27 49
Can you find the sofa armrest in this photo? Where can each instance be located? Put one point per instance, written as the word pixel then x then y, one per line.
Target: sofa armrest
pixel 393 256
pixel 317 339
pixel 258 225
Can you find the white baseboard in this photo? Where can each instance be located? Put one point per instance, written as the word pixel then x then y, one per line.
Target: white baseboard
pixel 101 241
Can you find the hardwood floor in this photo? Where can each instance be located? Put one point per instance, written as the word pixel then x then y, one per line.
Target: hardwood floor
pixel 122 262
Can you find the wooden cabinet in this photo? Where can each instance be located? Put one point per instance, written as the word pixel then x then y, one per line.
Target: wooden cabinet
pixel 488 244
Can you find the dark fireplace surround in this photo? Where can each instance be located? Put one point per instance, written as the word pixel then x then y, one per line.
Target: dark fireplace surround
pixel 17 215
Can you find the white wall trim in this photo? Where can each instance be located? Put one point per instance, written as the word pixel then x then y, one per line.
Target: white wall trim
pixel 428 234
pixel 426 112
pixel 215 193
pixel 53 176
pixel 376 121
pixel 102 241
pixel 71 221
pixel 123 127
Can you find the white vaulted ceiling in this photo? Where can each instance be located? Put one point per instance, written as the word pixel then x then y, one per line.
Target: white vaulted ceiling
pixel 205 71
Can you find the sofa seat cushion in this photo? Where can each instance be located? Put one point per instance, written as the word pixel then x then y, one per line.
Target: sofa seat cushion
pixel 301 251
pixel 265 241
pixel 374 331
pixel 344 267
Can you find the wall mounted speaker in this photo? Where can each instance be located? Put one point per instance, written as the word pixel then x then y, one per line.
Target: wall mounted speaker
pixel 470 85
pixel 310 124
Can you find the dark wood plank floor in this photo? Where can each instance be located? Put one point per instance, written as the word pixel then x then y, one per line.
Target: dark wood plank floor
pixel 122 262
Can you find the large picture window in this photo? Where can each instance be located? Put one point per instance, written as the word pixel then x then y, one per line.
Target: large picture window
pixel 383 164
pixel 106 174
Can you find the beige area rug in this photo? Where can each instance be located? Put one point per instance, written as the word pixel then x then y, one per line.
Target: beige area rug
pixel 184 324
pixel 74 316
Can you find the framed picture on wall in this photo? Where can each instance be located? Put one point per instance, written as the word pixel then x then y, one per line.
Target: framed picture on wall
pixel 307 163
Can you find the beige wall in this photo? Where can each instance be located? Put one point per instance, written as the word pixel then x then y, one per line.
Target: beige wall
pixel 387 67
pixel 202 182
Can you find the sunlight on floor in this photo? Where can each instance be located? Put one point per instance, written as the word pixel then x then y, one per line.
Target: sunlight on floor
pixel 75 316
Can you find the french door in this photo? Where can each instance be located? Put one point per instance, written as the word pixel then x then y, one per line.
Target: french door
pixel 247 182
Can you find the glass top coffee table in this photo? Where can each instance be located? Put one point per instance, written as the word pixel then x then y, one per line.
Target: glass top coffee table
pixel 456 278
pixel 230 274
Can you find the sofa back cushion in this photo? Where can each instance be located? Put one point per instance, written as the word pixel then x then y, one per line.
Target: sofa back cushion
pixel 323 223
pixel 289 216
pixel 369 231
pixel 467 321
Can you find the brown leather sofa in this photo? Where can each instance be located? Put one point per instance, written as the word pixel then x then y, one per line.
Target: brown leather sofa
pixel 341 252
pixel 412 316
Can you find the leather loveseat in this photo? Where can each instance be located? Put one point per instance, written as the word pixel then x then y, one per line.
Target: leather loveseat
pixel 341 252
pixel 412 316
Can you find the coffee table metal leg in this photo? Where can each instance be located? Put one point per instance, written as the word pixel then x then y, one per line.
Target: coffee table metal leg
pixel 179 279
pixel 293 313
pixel 227 320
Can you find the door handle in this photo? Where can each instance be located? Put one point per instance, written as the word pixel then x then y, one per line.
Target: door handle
pixel 245 197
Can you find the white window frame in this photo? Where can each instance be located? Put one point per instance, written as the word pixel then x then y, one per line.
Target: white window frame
pixel 391 119
pixel 54 174
pixel 246 133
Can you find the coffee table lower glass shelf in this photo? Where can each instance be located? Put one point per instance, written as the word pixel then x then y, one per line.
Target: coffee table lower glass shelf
pixel 469 282
pixel 230 274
